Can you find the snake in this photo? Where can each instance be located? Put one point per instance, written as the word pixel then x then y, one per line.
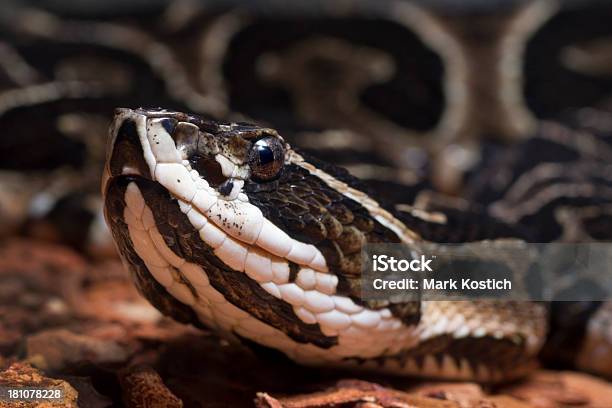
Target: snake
pixel 227 226
pixel 462 122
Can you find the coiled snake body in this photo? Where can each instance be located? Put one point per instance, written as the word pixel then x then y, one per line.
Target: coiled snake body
pixel 226 226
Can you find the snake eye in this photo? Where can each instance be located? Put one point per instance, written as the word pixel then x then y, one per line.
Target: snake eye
pixel 266 158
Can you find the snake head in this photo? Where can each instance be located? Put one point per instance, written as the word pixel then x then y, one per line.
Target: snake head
pixel 225 221
pixel 226 226
pixel 206 168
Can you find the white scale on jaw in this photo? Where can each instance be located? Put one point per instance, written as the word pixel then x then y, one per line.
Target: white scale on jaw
pixel 312 297
pixel 237 218
pixel 360 332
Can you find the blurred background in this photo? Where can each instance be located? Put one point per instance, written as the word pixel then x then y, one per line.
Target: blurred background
pixel 410 93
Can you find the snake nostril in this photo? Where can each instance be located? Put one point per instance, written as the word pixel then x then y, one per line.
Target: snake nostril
pixel 209 169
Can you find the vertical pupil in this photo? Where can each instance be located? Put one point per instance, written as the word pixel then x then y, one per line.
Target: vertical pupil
pixel 266 159
pixel 266 155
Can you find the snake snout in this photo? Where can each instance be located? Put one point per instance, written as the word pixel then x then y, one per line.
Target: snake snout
pixel 125 152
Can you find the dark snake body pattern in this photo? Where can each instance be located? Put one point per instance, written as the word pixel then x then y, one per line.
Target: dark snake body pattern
pixel 415 106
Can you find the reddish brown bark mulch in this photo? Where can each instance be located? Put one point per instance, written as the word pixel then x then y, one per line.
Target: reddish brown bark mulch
pixel 81 324
pixel 21 375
